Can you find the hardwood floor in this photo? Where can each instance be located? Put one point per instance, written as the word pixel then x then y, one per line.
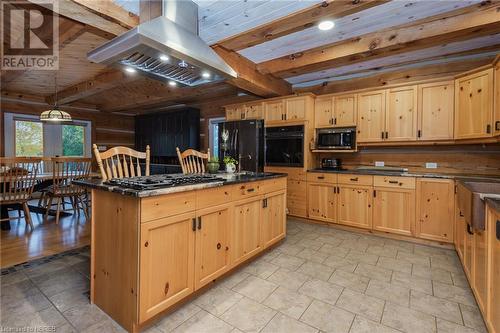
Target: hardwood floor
pixel 19 244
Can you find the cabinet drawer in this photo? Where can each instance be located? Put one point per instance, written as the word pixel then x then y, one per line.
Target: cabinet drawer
pixel 272 185
pixel 398 182
pixel 246 190
pixel 320 177
pixel 153 208
pixel 213 196
pixel 355 179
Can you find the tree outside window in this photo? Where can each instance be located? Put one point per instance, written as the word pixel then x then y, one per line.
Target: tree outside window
pixel 73 140
pixel 29 138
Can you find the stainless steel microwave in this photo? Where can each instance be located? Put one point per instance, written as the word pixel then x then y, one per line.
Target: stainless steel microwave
pixel 336 138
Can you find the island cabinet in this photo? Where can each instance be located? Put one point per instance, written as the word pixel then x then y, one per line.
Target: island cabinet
pixel 394 205
pixel 150 253
pixel 474 105
pixel 296 192
pixel 435 111
pixel 435 209
pixel 401 114
pixel 371 116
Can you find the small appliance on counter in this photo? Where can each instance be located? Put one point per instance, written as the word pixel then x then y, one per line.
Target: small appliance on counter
pixel 331 164
pixel 336 138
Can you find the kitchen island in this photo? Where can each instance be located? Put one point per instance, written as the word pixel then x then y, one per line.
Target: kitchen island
pixel 150 249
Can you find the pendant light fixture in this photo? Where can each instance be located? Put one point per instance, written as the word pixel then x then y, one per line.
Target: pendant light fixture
pixel 55 114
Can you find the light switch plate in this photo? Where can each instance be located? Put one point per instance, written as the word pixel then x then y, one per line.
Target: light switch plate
pixel 379 163
pixel 431 165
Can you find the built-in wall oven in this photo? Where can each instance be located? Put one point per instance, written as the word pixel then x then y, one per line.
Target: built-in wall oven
pixel 336 138
pixel 285 146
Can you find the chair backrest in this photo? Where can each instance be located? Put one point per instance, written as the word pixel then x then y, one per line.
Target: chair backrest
pixel 192 161
pixel 67 169
pixel 118 162
pixel 17 178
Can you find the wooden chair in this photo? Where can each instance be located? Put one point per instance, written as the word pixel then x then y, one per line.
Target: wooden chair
pixel 192 161
pixel 17 179
pixel 118 162
pixel 64 171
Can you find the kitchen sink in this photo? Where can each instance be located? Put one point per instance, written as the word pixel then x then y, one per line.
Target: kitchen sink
pixel 471 195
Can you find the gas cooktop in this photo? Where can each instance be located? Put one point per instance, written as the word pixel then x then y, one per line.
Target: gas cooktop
pixel 161 181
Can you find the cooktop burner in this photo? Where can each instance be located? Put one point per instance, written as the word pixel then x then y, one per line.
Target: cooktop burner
pixel 161 181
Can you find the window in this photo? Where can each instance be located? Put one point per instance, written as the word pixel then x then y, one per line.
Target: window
pixel 73 140
pixel 28 138
pixel 213 135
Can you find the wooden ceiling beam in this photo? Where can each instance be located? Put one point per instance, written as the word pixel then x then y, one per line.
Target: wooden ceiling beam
pixel 250 78
pixel 330 9
pixel 398 76
pixel 480 20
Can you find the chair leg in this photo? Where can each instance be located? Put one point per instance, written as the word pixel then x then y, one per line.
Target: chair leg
pixel 84 207
pixel 27 215
pixel 42 199
pixel 49 205
pixel 59 199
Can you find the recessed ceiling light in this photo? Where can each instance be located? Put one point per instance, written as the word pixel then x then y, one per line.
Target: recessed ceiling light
pixel 172 83
pixel 326 25
pixel 205 75
pixel 164 57
pixel 130 69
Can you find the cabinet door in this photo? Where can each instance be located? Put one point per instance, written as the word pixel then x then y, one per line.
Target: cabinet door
pixel 273 218
pixel 480 258
pixel 435 209
pixel 254 111
pixel 474 105
pixel 371 116
pixel 394 210
pixel 493 313
pixel 435 111
pixel 344 110
pixel 295 108
pixel 212 256
pixel 322 202
pixel 296 197
pixel 401 114
pixel 323 112
pixel 167 263
pixel 459 231
pixel 355 206
pixel 246 229
pixel 496 98
pixel 274 111
pixel 468 255
pixel 234 113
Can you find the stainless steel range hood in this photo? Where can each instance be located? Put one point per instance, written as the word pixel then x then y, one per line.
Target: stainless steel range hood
pixel 166 48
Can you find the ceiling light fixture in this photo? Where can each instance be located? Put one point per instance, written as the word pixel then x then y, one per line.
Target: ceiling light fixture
pixel 326 25
pixel 172 83
pixel 164 57
pixel 205 75
pixel 130 69
pixel 55 114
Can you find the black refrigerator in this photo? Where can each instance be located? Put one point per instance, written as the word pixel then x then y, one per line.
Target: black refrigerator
pixel 244 141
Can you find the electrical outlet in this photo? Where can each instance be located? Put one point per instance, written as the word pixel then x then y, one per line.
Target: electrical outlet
pixel 379 163
pixel 431 165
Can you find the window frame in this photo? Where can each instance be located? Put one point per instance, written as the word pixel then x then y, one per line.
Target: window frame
pixel 24 119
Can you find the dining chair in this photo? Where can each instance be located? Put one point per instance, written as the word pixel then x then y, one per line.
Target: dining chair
pixel 64 171
pixel 118 162
pixel 17 179
pixel 192 161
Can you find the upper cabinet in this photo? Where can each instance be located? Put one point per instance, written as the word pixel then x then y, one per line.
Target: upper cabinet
pixel 323 112
pixel 274 110
pixel 474 105
pixel 344 107
pixel 296 108
pixel 371 116
pixel 245 111
pixel 497 98
pixel 290 109
pixel 401 114
pixel 435 111
pixel 234 112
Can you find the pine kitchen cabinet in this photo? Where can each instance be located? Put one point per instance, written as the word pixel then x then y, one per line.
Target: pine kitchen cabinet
pixel 323 111
pixel 371 116
pixel 274 110
pixel 474 105
pixel 496 97
pixel 245 111
pixel 401 114
pixel 151 251
pixel 493 270
pixel 394 205
pixel 321 196
pixel 355 200
pixel 435 209
pixel 435 111
pixel 296 189
pixel 344 107
pixel 235 112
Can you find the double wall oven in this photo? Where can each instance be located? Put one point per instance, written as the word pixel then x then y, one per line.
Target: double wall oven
pixel 285 146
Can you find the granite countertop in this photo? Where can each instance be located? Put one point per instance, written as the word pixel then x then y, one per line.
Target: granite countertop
pixel 494 203
pixel 227 179
pixel 464 177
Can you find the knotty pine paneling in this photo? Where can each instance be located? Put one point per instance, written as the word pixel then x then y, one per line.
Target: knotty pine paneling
pixel 468 159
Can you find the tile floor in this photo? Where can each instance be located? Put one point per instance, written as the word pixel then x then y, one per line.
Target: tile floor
pixel 318 279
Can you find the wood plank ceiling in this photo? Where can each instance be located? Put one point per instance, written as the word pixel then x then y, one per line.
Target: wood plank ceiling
pixel 277 43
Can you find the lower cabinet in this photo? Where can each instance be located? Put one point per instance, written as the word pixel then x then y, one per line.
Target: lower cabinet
pixel 435 209
pixel 480 258
pixel 493 301
pixel 322 201
pixel 273 215
pixel 296 201
pixel 213 236
pixel 246 229
pixel 166 263
pixel 355 206
pixel 394 210
pixel 459 231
